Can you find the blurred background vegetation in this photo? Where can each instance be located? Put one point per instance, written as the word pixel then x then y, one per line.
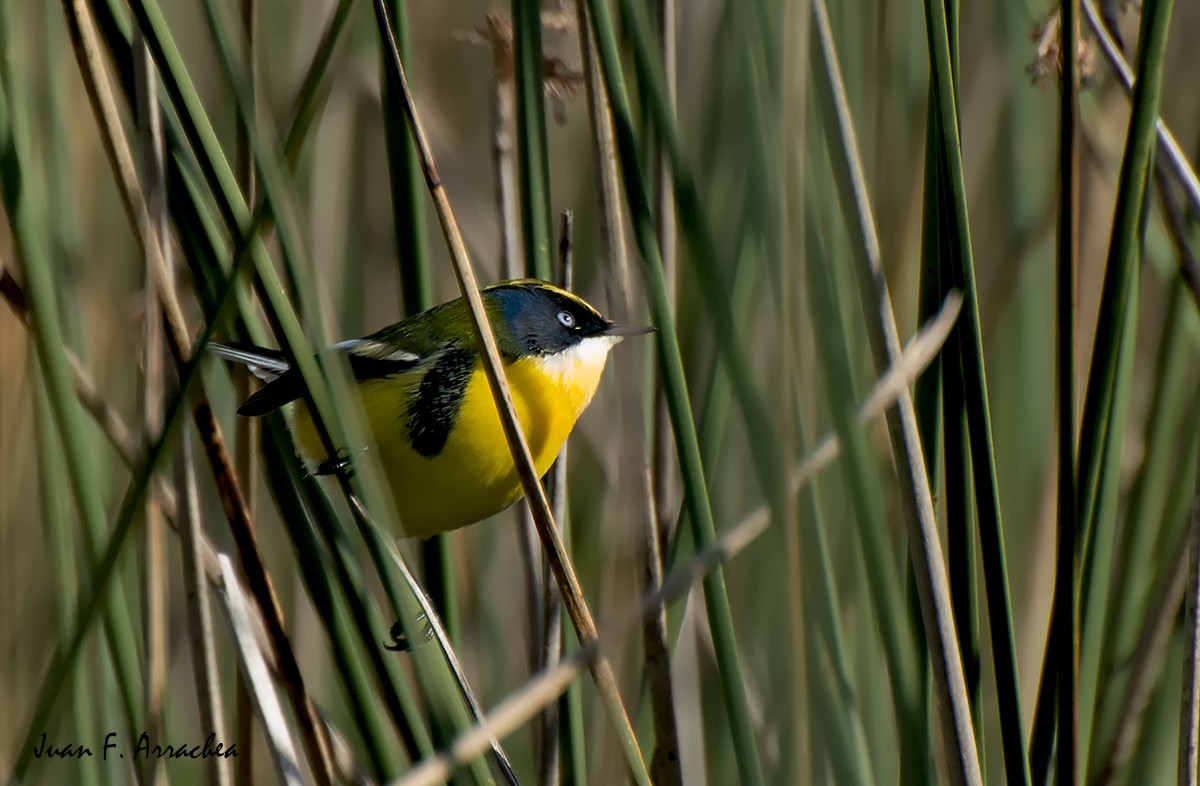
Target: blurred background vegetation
pixel 281 117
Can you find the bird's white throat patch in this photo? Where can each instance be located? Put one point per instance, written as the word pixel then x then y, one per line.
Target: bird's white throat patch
pixel 584 359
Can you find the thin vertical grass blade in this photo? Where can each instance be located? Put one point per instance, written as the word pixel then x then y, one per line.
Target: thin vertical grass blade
pixel 694 224
pixel 924 545
pixel 54 487
pixel 407 186
pixel 1066 574
pixel 247 430
pixel 533 157
pixel 960 269
pixel 663 467
pixel 1105 409
pixel 939 403
pixel 927 394
pixel 671 362
pixel 1104 414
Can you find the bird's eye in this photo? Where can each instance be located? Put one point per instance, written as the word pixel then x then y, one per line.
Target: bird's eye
pixel 566 319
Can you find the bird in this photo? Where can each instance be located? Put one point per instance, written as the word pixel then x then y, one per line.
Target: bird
pixel 430 409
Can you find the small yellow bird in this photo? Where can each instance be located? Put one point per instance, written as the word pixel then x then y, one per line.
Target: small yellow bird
pixel 429 406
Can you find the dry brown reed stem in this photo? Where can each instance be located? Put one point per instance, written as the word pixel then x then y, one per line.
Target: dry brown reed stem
pixel 560 564
pixel 516 710
pixel 86 46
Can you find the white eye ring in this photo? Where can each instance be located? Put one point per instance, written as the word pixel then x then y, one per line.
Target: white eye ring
pixel 566 319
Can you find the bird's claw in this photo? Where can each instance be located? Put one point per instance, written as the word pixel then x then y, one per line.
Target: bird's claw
pixel 339 465
pixel 400 642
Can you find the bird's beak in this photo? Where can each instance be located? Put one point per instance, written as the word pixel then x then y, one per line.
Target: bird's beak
pixel 629 330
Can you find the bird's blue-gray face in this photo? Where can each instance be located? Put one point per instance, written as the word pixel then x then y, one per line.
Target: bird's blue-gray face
pixel 544 321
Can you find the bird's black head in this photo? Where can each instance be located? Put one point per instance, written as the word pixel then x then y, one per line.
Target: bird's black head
pixel 536 318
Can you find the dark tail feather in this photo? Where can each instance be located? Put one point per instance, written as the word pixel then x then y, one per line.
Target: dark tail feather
pixel 282 383
pixel 273 395
pixel 266 364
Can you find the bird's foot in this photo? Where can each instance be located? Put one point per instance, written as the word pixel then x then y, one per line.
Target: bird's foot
pixel 400 642
pixel 338 465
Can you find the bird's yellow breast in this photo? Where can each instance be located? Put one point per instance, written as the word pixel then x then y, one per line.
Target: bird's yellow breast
pixel 473 475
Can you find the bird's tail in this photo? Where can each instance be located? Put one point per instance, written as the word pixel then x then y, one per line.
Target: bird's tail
pixel 282 386
pixel 266 364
